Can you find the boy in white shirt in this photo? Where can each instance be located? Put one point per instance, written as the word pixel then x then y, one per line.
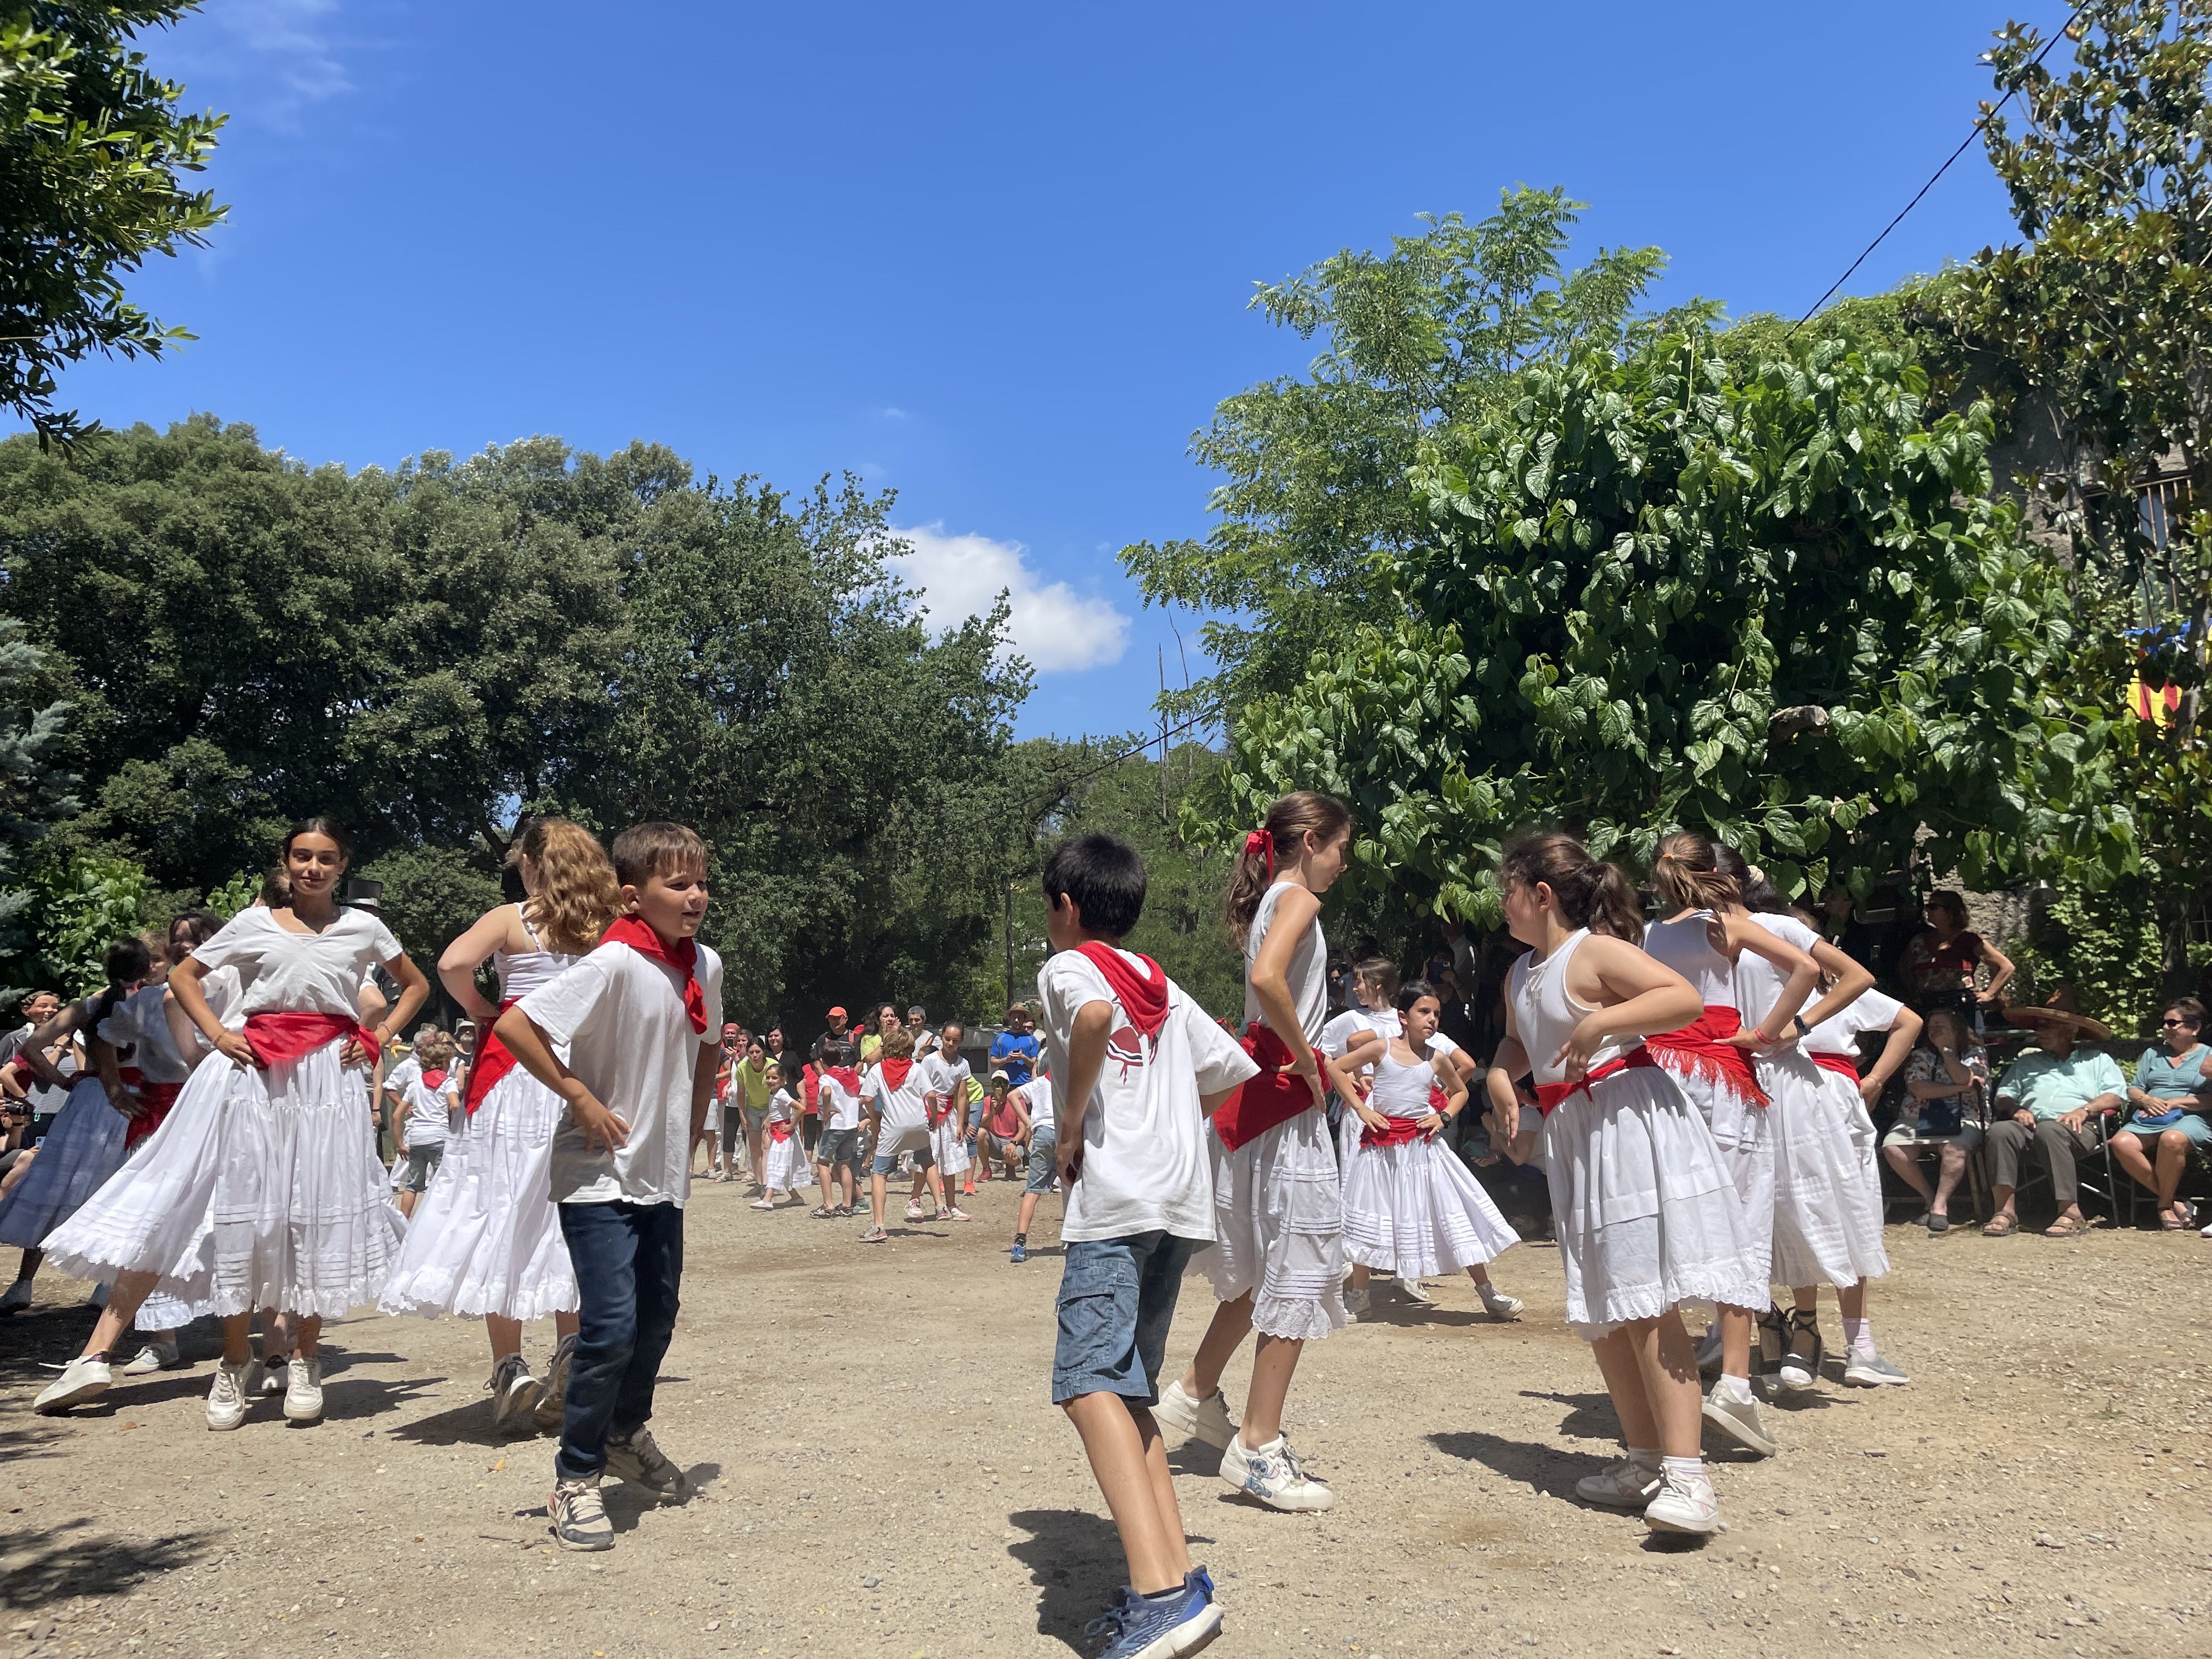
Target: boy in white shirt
pixel 634 1024
pixel 1041 1154
pixel 837 1152
pixel 897 1099
pixel 948 1077
pixel 1141 1067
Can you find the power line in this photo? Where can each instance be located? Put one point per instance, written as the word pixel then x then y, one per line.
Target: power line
pixel 1972 133
pixel 1108 765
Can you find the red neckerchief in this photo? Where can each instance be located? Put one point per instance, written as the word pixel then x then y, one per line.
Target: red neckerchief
pixel 894 1072
pixel 1143 997
pixel 433 1080
pixel 848 1079
pixel 685 957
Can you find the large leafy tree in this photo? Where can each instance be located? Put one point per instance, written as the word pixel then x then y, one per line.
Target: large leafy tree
pixel 94 152
pixel 1313 490
pixel 34 790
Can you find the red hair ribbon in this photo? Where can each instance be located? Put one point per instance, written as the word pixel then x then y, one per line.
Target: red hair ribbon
pixel 1260 841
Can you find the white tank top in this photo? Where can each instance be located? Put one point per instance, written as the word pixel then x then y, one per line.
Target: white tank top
pixel 1308 973
pixel 1546 1014
pixel 1401 1091
pixel 1759 983
pixel 1685 945
pixel 521 973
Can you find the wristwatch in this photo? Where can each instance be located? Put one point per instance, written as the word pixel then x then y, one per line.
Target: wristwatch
pixel 1803 1029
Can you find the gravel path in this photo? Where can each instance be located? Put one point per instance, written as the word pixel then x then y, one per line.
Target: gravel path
pixel 884 1475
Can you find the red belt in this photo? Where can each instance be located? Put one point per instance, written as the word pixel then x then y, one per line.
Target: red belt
pixel 779 1132
pixel 1276 1096
pixel 1841 1065
pixel 1549 1094
pixel 278 1037
pixel 158 1097
pixel 493 1062
pixel 1702 1048
pixel 1402 1130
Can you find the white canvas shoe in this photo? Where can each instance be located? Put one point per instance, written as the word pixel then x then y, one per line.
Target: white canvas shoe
pixel 303 1390
pixel 514 1396
pixel 234 1386
pixel 154 1357
pixel 80 1380
pixel 1684 1506
pixel 1496 1302
pixel 1205 1420
pixel 1740 1421
pixel 1270 1473
pixel 1622 1486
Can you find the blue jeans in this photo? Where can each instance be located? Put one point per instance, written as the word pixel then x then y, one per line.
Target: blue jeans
pixel 1117 1298
pixel 628 1259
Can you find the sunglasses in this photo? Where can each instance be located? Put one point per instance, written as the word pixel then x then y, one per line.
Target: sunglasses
pixel 2171 1023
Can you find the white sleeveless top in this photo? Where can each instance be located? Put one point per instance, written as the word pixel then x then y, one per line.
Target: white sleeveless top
pixel 1685 945
pixel 1308 973
pixel 1759 983
pixel 1402 1091
pixel 1546 1014
pixel 522 972
pixel 141 1023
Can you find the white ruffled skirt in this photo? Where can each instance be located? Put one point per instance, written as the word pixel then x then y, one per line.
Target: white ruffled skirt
pixel 947 1145
pixel 485 1237
pixel 1414 1209
pixel 788 1170
pixel 80 1153
pixel 1279 1228
pixel 1827 1182
pixel 1743 1134
pixel 1645 1213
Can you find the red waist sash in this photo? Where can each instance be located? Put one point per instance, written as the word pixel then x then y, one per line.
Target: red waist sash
pixel 282 1036
pixel 1841 1064
pixel 1276 1096
pixel 158 1097
pixel 493 1062
pixel 1402 1130
pixel 1702 1048
pixel 779 1132
pixel 1549 1094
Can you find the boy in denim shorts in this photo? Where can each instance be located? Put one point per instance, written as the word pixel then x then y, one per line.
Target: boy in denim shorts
pixel 1043 1154
pixel 1140 1066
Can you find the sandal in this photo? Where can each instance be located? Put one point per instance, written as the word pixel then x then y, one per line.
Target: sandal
pixel 1803 1321
pixel 2001 1226
pixel 820 1212
pixel 2066 1226
pixel 1773 1343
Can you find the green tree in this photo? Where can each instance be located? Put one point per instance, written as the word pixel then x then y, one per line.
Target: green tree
pixel 79 907
pixel 1313 502
pixel 33 793
pixel 91 183
pixel 431 894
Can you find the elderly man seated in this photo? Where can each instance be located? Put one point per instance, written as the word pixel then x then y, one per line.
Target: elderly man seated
pixel 2054 1099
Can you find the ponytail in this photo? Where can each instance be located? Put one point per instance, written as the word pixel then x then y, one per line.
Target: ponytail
pixel 1279 840
pixel 1758 893
pixel 1689 876
pixel 127 962
pixel 1591 892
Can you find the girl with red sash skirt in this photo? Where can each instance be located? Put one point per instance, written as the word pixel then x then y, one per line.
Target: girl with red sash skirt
pixel 485 1239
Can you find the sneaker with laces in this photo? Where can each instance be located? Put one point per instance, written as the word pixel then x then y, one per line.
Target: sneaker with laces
pixel 16 1296
pixel 918 1212
pixel 1415 1291
pixel 580 1517
pixel 1867 1369
pixel 1270 1473
pixel 1158 1626
pixel 153 1356
pixel 763 1204
pixel 875 1235
pixel 303 1390
pixel 1194 1419
pixel 638 1461
pixel 228 1395
pixel 80 1380
pixel 956 1213
pixel 553 1402
pixel 1623 1485
pixel 1497 1303
pixel 1740 1420
pixel 1019 1253
pixel 1683 1506
pixel 514 1395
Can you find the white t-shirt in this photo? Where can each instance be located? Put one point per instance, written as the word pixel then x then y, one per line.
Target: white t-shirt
pixel 1307 973
pixel 838 1109
pixel 903 1108
pixel 429 1111
pixel 621 1016
pixel 781 1108
pixel 141 1023
pixel 1871 1012
pixel 1145 1166
pixel 1044 1113
pixel 1336 1036
pixel 299 973
pixel 948 1080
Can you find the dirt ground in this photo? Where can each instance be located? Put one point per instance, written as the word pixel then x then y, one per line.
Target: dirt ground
pixel 884 1475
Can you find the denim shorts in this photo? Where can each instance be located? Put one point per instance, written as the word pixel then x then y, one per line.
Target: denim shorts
pixel 422 1164
pixel 1117 1298
pixel 838 1146
pixel 1044 1156
pixel 891 1143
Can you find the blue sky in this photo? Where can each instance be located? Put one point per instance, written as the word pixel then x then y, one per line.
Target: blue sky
pixel 995 256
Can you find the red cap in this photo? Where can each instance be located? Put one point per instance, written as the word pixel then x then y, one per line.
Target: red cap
pixel 839 1013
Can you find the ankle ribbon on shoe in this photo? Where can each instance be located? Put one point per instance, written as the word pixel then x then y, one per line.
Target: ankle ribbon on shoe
pixel 1549 1094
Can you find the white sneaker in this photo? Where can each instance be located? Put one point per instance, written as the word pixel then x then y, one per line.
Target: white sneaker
pixel 234 1386
pixel 1205 1420
pixel 16 1296
pixel 79 1381
pixel 514 1395
pixel 1869 1370
pixel 1496 1302
pixel 1359 1299
pixel 1622 1486
pixel 1416 1291
pixel 303 1390
pixel 1740 1421
pixel 580 1516
pixel 1684 1506
pixel 1270 1473
pixel 154 1357
pixel 763 1204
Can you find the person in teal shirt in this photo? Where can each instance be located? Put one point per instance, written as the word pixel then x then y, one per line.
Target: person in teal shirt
pixel 2053 1098
pixel 2172 1100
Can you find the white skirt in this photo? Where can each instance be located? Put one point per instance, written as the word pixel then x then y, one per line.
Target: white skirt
pixel 80 1153
pixel 1827 1185
pixel 485 1237
pixel 1645 1214
pixel 1278 1229
pixel 787 1168
pixel 946 1142
pixel 1414 1209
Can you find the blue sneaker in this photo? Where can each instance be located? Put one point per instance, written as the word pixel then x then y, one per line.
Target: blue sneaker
pixel 1020 1251
pixel 1138 1627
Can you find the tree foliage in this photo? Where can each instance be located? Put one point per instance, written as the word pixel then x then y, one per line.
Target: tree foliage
pixel 93 151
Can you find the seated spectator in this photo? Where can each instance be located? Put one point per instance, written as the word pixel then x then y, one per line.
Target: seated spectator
pixel 2172 1101
pixel 1946 1101
pixel 2055 1099
pixel 1939 965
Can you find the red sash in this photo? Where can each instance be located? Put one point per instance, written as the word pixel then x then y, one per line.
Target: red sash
pixel 158 1097
pixel 1276 1096
pixel 1841 1064
pixel 277 1038
pixel 779 1132
pixel 1402 1130
pixel 635 933
pixel 1549 1094
pixel 1701 1048
pixel 1144 999
pixel 894 1072
pixel 493 1063
pixel 848 1079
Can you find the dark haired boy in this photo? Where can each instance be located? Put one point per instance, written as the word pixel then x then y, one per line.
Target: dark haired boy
pixel 639 1021
pixel 1140 1066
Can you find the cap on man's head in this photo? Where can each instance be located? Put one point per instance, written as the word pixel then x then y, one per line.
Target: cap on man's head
pixel 838 1014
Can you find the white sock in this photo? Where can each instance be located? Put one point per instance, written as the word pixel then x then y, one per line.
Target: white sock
pixel 1688 1472
pixel 1645 1458
pixel 1737 1389
pixel 1858 1333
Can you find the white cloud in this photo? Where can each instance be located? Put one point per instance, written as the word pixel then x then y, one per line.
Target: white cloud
pixel 1057 629
pixel 293 54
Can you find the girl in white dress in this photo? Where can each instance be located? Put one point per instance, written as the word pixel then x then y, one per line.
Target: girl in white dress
pixel 486 1239
pixel 1410 1207
pixel 1646 1216
pixel 787 1170
pixel 1277 1262
pixel 1375 989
